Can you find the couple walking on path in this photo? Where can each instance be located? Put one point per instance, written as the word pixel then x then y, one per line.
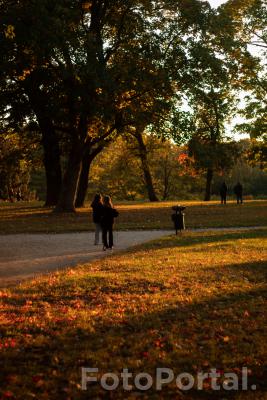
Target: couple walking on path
pixel 103 217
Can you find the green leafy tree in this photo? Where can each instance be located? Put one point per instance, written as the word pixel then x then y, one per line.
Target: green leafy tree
pixel 82 66
pixel 251 19
pixel 119 171
pixel 19 156
pixel 26 85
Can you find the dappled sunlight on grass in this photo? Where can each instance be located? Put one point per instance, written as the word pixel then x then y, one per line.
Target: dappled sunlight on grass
pixel 189 303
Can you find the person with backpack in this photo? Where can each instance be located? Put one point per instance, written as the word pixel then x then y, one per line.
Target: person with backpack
pixel 107 222
pixel 97 206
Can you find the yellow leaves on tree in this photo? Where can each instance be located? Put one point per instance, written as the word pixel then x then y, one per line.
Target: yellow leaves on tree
pixel 86 5
pixel 126 99
pixel 24 74
pixel 10 32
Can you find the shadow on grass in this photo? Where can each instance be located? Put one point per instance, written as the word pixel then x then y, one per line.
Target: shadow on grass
pixel 185 337
pixel 253 272
pixel 199 238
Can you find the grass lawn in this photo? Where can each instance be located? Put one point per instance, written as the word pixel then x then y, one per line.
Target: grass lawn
pixel 32 217
pixel 191 303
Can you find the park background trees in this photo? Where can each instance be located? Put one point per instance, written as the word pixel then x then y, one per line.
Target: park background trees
pixel 82 74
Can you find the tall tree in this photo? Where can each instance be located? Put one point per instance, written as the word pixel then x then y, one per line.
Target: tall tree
pixel 255 83
pixel 25 94
pixel 95 60
pixel 93 51
pixel 250 19
pixel 19 156
pixel 207 145
pixel 143 154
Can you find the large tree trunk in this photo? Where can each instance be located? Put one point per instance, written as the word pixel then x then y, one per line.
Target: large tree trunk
pixel 209 178
pixel 67 198
pixel 83 182
pixel 52 165
pixel 84 176
pixel 145 166
pixel 167 175
pixel 50 144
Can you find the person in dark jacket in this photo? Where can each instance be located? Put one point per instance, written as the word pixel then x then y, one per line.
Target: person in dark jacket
pixel 107 222
pixel 97 206
pixel 223 193
pixel 238 190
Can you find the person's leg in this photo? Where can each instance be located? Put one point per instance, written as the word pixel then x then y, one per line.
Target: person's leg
pixel 104 238
pixel 97 232
pixel 110 237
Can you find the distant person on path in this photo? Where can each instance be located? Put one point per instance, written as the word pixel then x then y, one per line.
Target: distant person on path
pixel 97 206
pixel 107 222
pixel 238 190
pixel 223 193
pixel 18 195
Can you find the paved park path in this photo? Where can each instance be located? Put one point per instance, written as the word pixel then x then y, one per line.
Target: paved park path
pixel 24 256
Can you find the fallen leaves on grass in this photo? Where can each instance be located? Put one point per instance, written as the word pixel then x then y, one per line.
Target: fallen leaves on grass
pixel 183 303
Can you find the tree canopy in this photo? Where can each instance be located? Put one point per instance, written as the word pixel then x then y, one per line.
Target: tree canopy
pixel 84 72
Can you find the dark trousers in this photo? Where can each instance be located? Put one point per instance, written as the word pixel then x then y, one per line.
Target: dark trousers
pixel 107 236
pixel 223 198
pixel 239 198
